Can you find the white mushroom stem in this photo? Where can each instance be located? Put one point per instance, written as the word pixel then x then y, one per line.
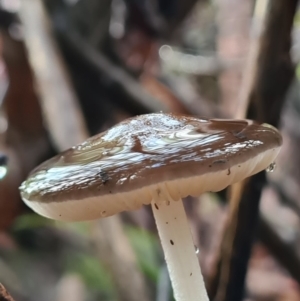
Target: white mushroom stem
pixel 179 250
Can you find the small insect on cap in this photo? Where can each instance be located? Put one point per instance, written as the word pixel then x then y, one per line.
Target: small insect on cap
pixel 143 158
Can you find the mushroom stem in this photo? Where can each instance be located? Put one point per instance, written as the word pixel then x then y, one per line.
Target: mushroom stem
pixel 179 250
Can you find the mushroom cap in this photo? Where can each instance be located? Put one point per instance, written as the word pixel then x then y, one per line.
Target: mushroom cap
pixel 154 156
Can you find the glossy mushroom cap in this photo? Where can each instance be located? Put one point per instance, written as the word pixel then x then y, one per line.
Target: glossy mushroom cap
pixel 154 156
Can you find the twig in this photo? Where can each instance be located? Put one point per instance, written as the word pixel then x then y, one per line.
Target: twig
pixel 284 198
pixel 57 97
pixel 233 36
pixel 283 252
pixel 271 79
pixel 251 65
pixel 182 9
pixel 67 128
pixel 276 70
pixel 120 83
pixel 124 90
pixel 114 249
pixel 4 295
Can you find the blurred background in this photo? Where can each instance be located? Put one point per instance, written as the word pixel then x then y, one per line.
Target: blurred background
pixel 72 68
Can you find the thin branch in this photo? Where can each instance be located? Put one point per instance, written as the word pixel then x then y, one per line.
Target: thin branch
pixel 284 198
pixel 121 84
pixel 4 294
pixel 57 97
pixel 114 250
pixel 67 127
pixel 283 252
pixel 271 80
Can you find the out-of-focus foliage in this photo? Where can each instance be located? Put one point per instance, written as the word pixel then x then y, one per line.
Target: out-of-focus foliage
pixel 146 246
pixel 94 275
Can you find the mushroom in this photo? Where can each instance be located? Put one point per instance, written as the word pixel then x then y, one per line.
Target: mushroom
pixel 155 159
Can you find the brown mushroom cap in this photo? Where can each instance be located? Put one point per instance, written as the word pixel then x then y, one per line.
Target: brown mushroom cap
pixel 148 157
